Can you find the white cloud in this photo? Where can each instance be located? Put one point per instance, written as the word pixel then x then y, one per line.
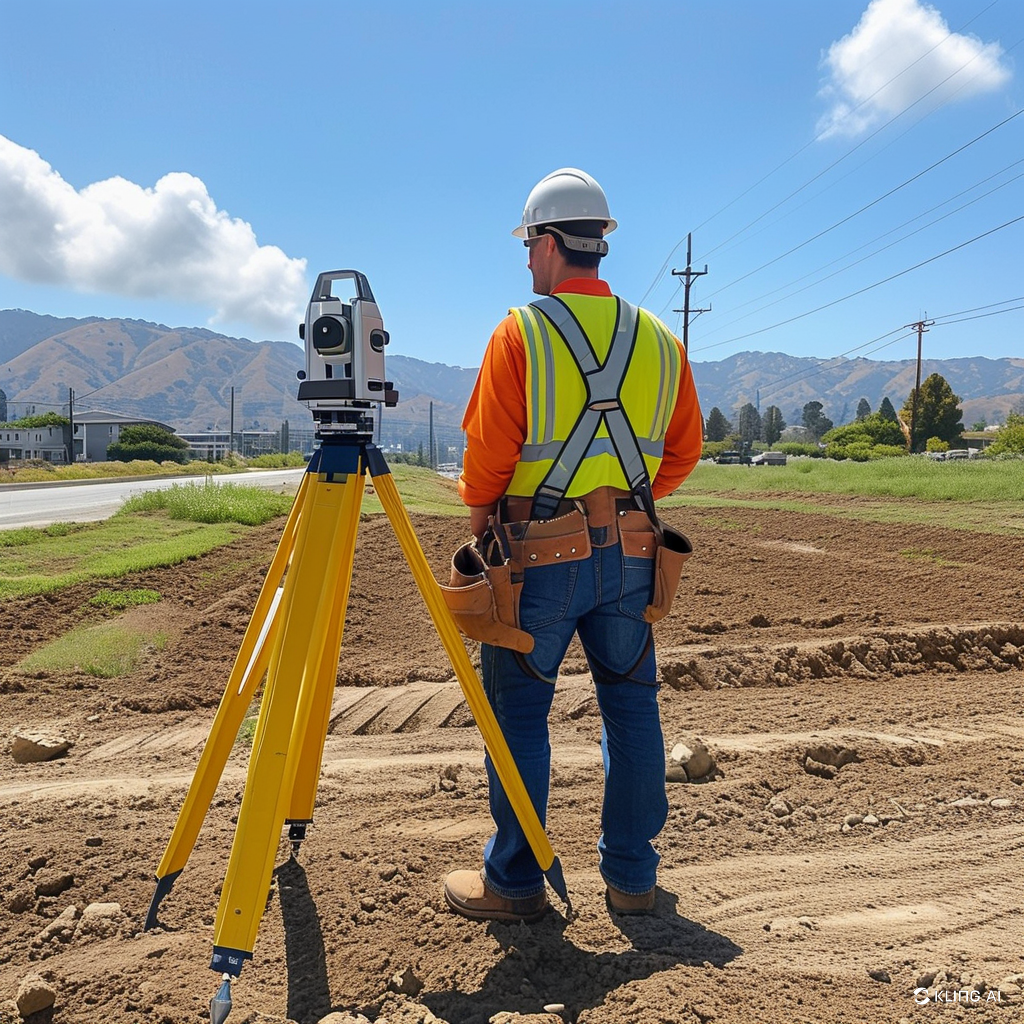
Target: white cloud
pixel 165 242
pixel 898 52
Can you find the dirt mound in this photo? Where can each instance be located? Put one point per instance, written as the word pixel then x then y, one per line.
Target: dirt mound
pixel 853 856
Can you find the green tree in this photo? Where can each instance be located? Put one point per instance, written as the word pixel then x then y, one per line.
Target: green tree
pixel 863 408
pixel 1010 439
pixel 887 411
pixel 148 441
pixel 772 424
pixel 979 425
pixel 749 423
pixel 938 412
pixel 815 420
pixel 717 427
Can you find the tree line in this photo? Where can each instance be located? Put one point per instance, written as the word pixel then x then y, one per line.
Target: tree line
pixel 931 419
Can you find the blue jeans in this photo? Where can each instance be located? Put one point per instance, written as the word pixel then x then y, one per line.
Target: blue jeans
pixel 602 598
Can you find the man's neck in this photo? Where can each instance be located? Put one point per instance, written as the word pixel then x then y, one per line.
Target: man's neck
pixel 568 273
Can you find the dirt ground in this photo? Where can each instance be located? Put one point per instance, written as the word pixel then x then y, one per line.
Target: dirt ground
pixel 859 686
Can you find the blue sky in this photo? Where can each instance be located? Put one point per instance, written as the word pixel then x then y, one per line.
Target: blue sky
pixel 198 164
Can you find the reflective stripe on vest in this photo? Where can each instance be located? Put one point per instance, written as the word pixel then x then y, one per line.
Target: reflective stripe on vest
pixel 611 370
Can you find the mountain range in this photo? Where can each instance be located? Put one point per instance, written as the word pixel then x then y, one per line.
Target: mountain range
pixel 183 376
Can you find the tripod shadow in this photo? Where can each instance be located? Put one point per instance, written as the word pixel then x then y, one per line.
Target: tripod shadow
pixel 541 965
pixel 309 994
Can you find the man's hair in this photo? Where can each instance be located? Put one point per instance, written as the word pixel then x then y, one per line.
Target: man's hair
pixel 582 229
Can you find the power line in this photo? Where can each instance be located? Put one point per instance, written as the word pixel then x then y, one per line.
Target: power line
pixel 874 202
pixel 866 288
pixel 817 138
pixel 826 364
pixel 980 316
pixel 850 152
pixel 870 255
pixel 974 309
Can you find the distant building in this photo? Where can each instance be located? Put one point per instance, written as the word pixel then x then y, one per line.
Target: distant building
pixel 47 443
pixel 212 445
pixel 94 431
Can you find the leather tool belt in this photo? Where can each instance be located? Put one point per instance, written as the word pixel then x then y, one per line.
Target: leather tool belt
pixel 486 580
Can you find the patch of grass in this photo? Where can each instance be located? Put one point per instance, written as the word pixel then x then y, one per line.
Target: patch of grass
pixel 212 503
pixel 106 550
pixel 421 490
pixel 908 477
pixel 977 496
pixel 1001 518
pixel 31 534
pixel 277 460
pixel 121 599
pixel 107 651
pixel 247 731
pixel 927 555
pixel 105 470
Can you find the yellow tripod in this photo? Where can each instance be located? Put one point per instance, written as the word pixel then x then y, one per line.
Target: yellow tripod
pixel 294 636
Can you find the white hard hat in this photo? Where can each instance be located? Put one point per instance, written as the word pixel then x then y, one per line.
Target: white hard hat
pixel 568 194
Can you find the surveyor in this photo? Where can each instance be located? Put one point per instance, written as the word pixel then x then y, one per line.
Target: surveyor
pixel 583 408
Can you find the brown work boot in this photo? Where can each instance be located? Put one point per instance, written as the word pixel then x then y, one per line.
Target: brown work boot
pixel 467 894
pixel 629 903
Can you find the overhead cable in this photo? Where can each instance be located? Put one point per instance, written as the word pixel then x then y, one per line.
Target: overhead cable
pixel 815 139
pixel 866 288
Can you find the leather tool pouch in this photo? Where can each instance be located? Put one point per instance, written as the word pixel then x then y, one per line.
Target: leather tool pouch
pixel 673 549
pixel 531 542
pixel 484 600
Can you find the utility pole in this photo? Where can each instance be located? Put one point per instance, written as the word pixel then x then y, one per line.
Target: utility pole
pixel 71 425
pixel 921 326
pixel 689 274
pixel 431 459
pixel 231 423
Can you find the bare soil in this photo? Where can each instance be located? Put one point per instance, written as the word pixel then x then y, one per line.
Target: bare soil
pixel 798 642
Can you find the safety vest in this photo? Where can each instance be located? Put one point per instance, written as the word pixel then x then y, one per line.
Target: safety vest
pixel 597 368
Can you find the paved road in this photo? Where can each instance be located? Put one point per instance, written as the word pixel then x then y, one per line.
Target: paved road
pixel 83 501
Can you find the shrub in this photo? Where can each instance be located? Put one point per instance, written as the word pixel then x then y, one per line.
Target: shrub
pixel 800 448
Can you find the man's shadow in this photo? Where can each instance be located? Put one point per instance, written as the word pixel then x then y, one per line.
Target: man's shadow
pixel 541 966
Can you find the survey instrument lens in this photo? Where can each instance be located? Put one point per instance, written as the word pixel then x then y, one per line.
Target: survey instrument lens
pixel 332 336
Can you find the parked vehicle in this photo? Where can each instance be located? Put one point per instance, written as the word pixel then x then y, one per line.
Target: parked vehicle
pixel 733 459
pixel 769 459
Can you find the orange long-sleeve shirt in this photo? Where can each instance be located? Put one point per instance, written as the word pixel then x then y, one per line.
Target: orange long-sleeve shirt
pixel 495 419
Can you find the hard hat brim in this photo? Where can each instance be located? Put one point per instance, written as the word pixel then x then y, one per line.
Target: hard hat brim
pixel 610 224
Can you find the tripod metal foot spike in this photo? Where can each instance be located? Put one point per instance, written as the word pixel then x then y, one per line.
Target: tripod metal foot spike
pixel 220 1004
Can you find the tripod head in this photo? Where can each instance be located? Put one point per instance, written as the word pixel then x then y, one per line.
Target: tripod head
pixel 344 339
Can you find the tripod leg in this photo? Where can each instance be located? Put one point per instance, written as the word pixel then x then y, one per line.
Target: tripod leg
pixel 250 664
pixel 482 711
pixel 300 809
pixel 322 560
